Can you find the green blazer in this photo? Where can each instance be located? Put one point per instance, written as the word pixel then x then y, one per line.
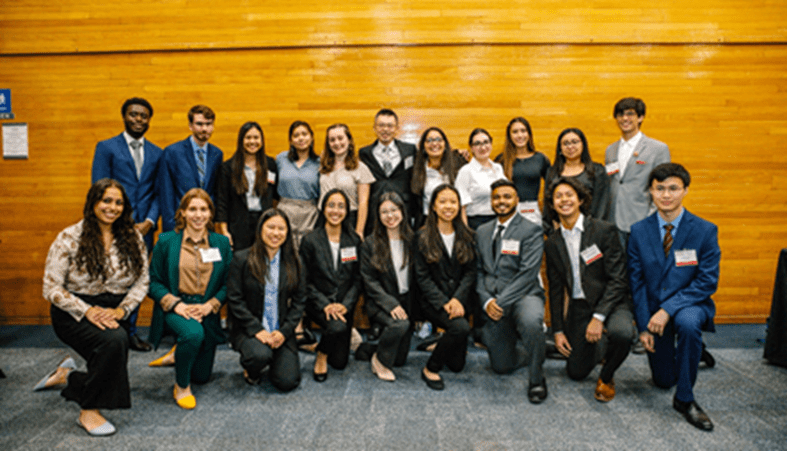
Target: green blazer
pixel 165 278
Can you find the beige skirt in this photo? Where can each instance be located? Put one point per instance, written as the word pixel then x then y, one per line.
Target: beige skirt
pixel 302 214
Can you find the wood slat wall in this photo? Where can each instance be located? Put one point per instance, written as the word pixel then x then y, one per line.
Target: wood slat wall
pixel 720 107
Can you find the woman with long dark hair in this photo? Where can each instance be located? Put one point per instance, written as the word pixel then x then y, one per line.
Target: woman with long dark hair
pixel 475 179
pixel 266 292
pixel 435 163
pixel 387 272
pixel 330 256
pixel 524 166
pixel 572 160
pixel 299 180
pixel 445 268
pixel 188 271
pixel 246 187
pixel 96 274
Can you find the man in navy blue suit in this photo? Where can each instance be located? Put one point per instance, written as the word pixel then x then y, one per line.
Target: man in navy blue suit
pixel 133 161
pixel 191 163
pixel 673 261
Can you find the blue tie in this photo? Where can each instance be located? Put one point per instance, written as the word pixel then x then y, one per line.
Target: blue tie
pixel 201 166
pixel 270 315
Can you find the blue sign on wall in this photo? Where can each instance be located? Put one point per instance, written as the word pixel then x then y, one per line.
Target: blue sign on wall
pixel 5 104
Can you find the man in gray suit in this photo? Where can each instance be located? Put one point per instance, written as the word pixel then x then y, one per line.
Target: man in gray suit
pixel 509 251
pixel 629 162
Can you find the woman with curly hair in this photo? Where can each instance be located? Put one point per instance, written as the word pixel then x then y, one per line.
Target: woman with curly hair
pixel 188 271
pixel 96 274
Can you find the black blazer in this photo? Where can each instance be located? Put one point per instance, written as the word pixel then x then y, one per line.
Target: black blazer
pixel 596 182
pixel 603 281
pixel 399 181
pixel 246 301
pixel 231 206
pixel 326 285
pixel 446 279
pixel 382 288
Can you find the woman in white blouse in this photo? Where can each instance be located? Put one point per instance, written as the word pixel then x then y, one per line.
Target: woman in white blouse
pixel 475 179
pixel 96 274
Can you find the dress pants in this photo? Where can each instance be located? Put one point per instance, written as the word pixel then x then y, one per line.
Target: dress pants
pixel 335 340
pixel 195 350
pixel 285 364
pixel 394 343
pixel 105 384
pixel 451 349
pixel 522 320
pixel 678 366
pixel 614 345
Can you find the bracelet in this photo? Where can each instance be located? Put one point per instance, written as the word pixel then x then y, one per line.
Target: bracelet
pixel 175 305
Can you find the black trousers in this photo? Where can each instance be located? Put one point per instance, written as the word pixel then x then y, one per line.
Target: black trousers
pixel 285 364
pixel 335 340
pixel 451 349
pixel 614 345
pixel 394 343
pixel 105 384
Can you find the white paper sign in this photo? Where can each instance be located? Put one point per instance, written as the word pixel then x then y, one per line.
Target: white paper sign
pixel 15 141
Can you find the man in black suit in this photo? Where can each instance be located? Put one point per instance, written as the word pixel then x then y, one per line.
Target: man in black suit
pixel 509 252
pixel 391 163
pixel 585 262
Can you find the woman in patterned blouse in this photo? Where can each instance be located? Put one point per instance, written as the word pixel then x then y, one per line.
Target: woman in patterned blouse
pixel 95 276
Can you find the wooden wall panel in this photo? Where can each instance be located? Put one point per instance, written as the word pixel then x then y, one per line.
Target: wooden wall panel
pixel 40 26
pixel 720 108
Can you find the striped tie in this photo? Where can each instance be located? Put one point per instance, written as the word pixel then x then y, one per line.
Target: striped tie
pixel 201 167
pixel 668 239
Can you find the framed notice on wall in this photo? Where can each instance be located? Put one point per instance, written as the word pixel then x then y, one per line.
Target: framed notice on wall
pixel 15 141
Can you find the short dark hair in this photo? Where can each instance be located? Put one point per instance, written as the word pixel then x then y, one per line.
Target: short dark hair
pixel 666 170
pixel 203 110
pixel 136 101
pixel 582 193
pixel 503 182
pixel 386 112
pixel 629 103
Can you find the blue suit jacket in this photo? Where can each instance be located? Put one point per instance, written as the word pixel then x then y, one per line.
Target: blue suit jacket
pixel 113 160
pixel 657 282
pixel 178 174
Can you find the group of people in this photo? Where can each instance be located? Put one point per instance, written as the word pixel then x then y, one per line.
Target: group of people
pixel 418 231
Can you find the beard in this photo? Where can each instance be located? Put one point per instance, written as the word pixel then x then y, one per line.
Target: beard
pixel 135 134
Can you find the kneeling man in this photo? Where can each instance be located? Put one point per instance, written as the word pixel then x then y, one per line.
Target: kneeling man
pixel 585 263
pixel 509 251
pixel 673 261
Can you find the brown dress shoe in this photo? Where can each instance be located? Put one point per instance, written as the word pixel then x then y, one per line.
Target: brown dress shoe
pixel 605 392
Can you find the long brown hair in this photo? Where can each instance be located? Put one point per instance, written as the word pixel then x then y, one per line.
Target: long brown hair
pixel 328 157
pixel 429 243
pixel 448 163
pixel 509 151
pixel 381 246
pixel 258 254
pixel 238 159
pixel 91 255
pixel 193 193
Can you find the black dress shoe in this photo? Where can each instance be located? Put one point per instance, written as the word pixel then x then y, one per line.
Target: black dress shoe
pixel 320 377
pixel 138 344
pixel 693 413
pixel 305 337
pixel 434 385
pixel 428 341
pixel 707 358
pixel 537 393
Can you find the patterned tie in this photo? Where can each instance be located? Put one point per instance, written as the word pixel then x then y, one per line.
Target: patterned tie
pixel 201 167
pixel 136 152
pixel 668 239
pixel 387 165
pixel 496 240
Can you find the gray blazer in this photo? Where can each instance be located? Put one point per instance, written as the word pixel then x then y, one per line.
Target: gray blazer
pixel 630 201
pixel 507 277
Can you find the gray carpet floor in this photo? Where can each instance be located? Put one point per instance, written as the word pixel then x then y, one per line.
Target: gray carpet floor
pixel 745 397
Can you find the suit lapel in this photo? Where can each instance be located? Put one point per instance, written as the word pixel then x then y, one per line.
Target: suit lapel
pixel 585 241
pixel 562 250
pixel 212 154
pixel 124 154
pixel 638 151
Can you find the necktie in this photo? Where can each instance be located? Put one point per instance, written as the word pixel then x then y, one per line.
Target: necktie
pixel 201 167
pixel 496 240
pixel 668 238
pixel 387 165
pixel 136 152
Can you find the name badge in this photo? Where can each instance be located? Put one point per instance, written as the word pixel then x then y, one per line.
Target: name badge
pixel 408 163
pixel 348 254
pixel 641 162
pixel 613 168
pixel 686 257
pixel 509 247
pixel 210 255
pixel 271 177
pixel 527 207
pixel 591 254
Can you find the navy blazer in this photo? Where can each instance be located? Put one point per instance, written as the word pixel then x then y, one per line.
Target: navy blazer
pixel 445 279
pixel 178 174
pixel 113 159
pixel 382 288
pixel 246 301
pixel 603 280
pixel 658 283
pixel 398 182
pixel 325 285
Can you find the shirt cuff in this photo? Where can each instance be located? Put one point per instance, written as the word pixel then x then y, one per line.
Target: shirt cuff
pixel 168 302
pixel 599 317
pixel 487 303
pixel 215 304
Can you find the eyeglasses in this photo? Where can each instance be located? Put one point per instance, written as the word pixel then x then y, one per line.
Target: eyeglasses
pixel 672 189
pixel 385 125
pixel 434 140
pixel 573 142
pixel 483 143
pixel 392 211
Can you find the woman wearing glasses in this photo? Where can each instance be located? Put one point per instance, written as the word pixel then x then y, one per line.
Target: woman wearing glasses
pixel 435 163
pixel 475 179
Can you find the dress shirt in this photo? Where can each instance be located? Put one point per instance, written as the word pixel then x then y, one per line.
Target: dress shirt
pixel 141 142
pixel 401 270
pixel 193 273
pixel 448 240
pixel 270 313
pixel 675 223
pixel 434 178
pixel 389 153
pixel 253 201
pixel 335 253
pixel 474 183
pixel 573 239
pixel 302 183
pixel 347 181
pixel 626 150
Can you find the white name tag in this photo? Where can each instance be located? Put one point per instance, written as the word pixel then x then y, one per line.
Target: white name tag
pixel 348 254
pixel 510 247
pixel 528 207
pixel 210 255
pixel 408 163
pixel 613 168
pixel 686 257
pixel 271 177
pixel 591 254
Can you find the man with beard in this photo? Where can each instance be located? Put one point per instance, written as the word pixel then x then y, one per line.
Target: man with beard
pixel 509 252
pixel 187 164
pixel 133 161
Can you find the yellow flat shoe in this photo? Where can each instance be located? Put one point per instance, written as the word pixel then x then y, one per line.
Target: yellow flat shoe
pixel 187 402
pixel 161 360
